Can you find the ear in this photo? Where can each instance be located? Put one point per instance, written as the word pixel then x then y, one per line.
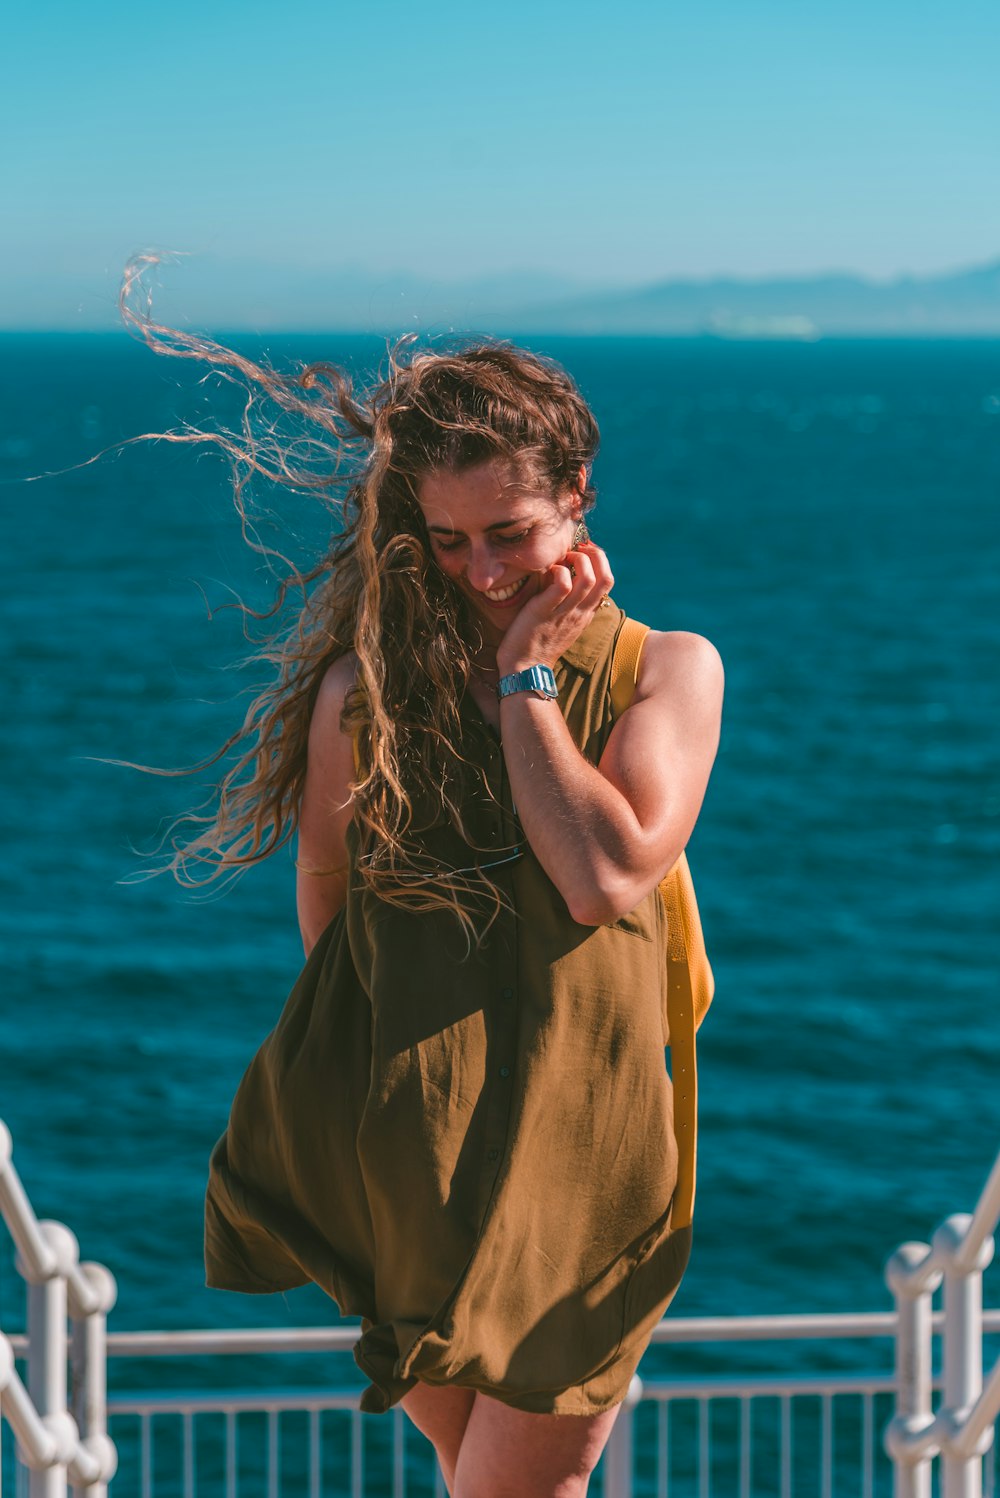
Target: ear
pixel 576 502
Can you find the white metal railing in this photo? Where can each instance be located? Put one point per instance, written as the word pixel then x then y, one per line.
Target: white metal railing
pixel 773 1430
pixel 739 1435
pixel 56 1445
pixel 961 1430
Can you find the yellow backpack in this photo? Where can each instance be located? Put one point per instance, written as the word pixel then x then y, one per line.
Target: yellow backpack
pixel 690 983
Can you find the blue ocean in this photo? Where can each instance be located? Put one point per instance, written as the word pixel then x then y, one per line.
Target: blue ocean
pixel 826 513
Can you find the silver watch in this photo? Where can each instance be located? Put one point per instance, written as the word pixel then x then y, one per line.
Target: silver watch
pixel 535 679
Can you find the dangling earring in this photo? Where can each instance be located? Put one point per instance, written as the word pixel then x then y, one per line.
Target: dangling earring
pixel 580 535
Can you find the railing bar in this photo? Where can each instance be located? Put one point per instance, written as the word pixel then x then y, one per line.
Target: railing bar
pixel 272 1453
pixel 826 1445
pixel 157 1344
pixel 745 1447
pixel 786 1446
pixel 398 1454
pixel 146 1454
pixel 663 1452
pixel 18 1213
pixel 231 1454
pixel 820 1326
pixel 735 1388
pixel 704 1450
pixel 357 1456
pixel 985 1217
pixel 314 1455
pixel 188 1454
pixel 345 1399
pixel 249 1402
pixel 868 1437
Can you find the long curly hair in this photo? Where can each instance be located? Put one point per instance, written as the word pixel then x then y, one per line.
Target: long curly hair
pixel 378 590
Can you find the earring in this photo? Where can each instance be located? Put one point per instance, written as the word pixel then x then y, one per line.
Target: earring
pixel 580 535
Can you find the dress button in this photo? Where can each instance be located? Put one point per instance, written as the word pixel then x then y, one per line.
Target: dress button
pixel 493 1155
pixel 505 1071
pixel 506 993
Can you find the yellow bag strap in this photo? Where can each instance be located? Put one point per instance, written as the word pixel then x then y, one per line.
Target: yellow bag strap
pixel 684 939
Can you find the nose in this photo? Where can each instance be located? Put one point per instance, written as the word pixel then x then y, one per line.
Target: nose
pixel 484 568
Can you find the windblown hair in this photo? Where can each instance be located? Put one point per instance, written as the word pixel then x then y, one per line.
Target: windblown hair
pixel 377 592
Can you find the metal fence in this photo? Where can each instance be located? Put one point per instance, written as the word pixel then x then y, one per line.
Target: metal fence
pixel 780 1422
pixel 685 1435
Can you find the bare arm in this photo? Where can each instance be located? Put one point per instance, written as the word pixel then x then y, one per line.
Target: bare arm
pixel 325 814
pixel 606 835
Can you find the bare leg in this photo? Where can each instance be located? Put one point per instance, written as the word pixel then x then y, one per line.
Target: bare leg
pixel 441 1414
pixel 508 1453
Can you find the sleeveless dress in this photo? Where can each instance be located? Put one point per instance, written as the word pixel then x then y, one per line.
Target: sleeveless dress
pixel 472 1150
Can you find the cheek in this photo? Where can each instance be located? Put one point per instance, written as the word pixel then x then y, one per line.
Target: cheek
pixel 451 566
pixel 540 555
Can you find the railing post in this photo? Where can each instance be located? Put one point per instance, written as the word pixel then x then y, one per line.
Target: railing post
pixel 913 1293
pixel 6 1374
pixel 89 1366
pixel 47 1347
pixel 618 1454
pixel 962 1476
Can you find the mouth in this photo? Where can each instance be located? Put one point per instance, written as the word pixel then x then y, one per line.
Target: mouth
pixel 501 598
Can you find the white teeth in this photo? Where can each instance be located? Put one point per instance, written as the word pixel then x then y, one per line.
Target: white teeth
pixel 500 595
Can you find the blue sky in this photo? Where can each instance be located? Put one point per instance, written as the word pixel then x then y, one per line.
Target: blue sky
pixel 618 143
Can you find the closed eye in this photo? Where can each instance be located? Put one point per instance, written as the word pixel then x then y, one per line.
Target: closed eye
pixel 503 541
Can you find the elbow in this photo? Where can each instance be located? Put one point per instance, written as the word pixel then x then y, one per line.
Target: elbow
pixel 600 906
pixel 603 901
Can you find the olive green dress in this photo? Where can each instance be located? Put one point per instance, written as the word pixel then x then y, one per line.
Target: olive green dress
pixel 473 1151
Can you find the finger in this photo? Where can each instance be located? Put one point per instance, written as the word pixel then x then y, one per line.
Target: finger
pixel 603 576
pixel 560 583
pixel 599 561
pixel 582 572
pixel 581 567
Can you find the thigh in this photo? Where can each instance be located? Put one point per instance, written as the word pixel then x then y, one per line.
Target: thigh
pixel 441 1413
pixel 508 1453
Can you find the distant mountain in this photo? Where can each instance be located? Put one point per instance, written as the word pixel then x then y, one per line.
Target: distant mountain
pixel 252 296
pixel 965 302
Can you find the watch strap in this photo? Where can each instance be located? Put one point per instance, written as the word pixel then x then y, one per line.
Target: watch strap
pixel 535 679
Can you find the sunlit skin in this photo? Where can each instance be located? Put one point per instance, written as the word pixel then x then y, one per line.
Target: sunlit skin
pixel 490 532
pixel 605 834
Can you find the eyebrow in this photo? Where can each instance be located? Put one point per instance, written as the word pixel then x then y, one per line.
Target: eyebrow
pixel 498 525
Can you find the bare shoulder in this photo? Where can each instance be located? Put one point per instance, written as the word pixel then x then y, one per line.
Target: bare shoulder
pixel 681 664
pixel 333 689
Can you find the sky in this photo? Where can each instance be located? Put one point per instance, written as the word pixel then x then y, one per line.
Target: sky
pixel 610 144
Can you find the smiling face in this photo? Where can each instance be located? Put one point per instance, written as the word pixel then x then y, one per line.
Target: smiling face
pixel 495 536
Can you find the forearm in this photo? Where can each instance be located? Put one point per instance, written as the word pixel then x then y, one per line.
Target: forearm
pixel 581 828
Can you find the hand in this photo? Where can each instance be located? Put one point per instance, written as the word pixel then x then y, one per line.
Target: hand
pixel 571 592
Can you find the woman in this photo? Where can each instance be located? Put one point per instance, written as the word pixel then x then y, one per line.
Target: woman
pixel 461 1126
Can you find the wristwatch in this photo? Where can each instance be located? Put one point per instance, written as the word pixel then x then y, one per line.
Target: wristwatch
pixel 535 679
